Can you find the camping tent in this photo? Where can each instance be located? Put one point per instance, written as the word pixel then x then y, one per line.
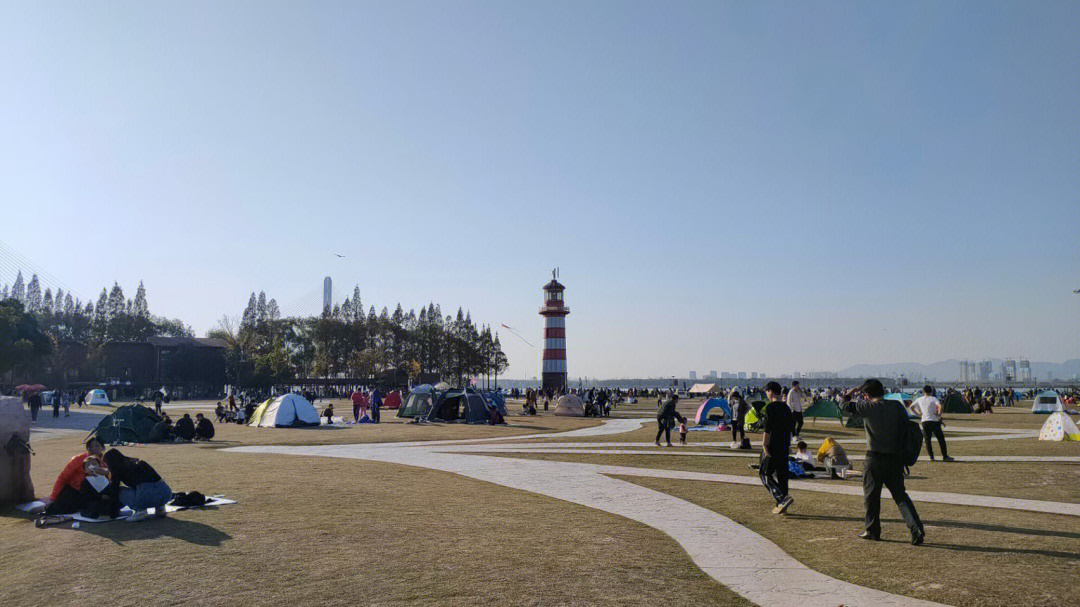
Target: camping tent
pixel 708 389
pixel 130 423
pixel 96 397
pixel 824 408
pixel 459 405
pixel 570 405
pixel 1047 402
pixel 702 417
pixel 419 401
pixel 1059 427
pixel 497 400
pixel 285 411
pixel 905 399
pixel 392 400
pixel 955 403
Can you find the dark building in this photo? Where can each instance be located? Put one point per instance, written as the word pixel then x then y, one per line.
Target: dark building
pixel 187 361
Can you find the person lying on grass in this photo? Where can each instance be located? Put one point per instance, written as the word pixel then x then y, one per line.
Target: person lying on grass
pixel 137 485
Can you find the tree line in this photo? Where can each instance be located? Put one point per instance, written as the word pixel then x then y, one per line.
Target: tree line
pixel 345 341
pixel 262 347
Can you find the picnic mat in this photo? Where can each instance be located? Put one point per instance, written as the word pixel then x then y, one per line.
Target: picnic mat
pixel 125 512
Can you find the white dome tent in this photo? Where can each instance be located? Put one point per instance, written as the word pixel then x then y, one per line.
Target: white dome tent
pixel 285 411
pixel 96 397
pixel 1047 402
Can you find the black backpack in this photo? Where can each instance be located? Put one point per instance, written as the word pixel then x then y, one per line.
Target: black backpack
pixel 913 440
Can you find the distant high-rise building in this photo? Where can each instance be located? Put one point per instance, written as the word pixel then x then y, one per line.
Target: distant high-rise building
pixel 327 294
pixel 726 375
pixel 693 375
pixel 712 375
pixel 753 375
pixel 1008 370
pixel 985 369
pixel 1024 371
pixel 969 371
pixel 742 374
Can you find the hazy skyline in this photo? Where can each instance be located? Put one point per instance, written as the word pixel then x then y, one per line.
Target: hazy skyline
pixel 761 187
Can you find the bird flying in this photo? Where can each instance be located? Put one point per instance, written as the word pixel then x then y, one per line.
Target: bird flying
pixel 341 256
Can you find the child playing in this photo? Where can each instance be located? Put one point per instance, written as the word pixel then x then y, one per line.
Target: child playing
pixel 682 433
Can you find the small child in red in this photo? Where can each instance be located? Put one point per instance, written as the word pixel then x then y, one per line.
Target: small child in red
pixel 682 433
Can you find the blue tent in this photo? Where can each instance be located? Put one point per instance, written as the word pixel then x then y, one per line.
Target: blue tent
pixel 702 417
pixel 905 399
pixel 497 400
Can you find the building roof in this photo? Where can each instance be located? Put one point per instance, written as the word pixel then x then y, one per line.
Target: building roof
pixel 197 342
pixel 554 285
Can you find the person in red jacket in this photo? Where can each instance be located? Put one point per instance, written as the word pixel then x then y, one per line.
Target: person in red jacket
pixel 71 491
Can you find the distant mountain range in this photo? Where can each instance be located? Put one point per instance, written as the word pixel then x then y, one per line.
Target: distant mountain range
pixel 949 370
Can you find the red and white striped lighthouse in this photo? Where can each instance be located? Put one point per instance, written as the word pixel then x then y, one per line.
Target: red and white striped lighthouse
pixel 554 312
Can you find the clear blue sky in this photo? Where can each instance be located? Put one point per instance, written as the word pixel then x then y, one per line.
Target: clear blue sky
pixel 729 186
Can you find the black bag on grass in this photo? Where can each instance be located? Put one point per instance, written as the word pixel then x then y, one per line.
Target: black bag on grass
pixel 193 499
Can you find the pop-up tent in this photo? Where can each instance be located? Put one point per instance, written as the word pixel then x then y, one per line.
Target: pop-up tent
pixel 459 406
pixel 1047 402
pixel 129 424
pixel 285 411
pixel 904 399
pixel 496 399
pixel 719 409
pixel 96 397
pixel 392 400
pixel 955 403
pixel 419 401
pixel 569 405
pixel 824 408
pixel 1059 427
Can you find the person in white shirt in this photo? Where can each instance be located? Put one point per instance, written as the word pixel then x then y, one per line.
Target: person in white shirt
pixel 929 409
pixel 794 402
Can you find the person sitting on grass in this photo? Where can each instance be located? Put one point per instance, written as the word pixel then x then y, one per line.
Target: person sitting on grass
pixel 185 428
pixel 219 411
pixel 805 458
pixel 137 485
pixel 204 430
pixel 162 432
pixel 328 413
pixel 72 492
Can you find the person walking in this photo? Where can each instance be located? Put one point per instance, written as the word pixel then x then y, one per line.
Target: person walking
pixel 666 416
pixel 795 403
pixel 775 443
pixel 34 402
pixel 929 409
pixel 376 404
pixel 54 400
pixel 65 401
pixel 884 422
pixel 739 409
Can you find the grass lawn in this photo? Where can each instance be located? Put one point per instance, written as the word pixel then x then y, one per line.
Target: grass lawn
pixel 971 558
pixel 321 531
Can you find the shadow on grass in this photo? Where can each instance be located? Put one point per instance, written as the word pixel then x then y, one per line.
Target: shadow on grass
pixel 956 525
pixel 189 531
pixel 1072 556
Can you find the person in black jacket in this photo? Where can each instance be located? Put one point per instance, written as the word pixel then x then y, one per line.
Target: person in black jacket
pixel 204 429
pixel 885 423
pixel 775 444
pixel 185 428
pixel 739 409
pixel 666 416
pixel 143 486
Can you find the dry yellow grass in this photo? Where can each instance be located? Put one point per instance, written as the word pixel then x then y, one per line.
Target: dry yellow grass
pixel 972 558
pixel 320 531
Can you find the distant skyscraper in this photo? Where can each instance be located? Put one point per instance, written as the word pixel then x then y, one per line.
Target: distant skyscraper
pixel 753 375
pixel 1008 370
pixel 985 369
pixel 693 375
pixel 742 374
pixel 1024 371
pixel 327 294
pixel 712 375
